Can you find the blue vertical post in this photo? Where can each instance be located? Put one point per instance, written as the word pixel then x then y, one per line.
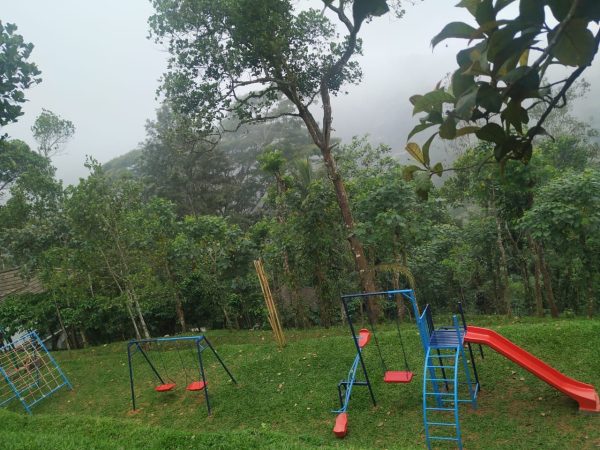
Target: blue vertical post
pixel 456 399
pixel 460 336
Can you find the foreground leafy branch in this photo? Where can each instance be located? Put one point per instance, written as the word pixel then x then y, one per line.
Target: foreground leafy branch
pixel 500 78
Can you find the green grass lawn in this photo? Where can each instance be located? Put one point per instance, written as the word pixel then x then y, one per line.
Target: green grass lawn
pixel 284 398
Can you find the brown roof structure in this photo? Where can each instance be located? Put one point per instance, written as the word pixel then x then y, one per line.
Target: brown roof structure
pixel 11 282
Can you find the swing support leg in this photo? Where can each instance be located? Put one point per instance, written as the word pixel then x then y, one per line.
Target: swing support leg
pixel 198 347
pixel 135 346
pixel 129 360
pixel 358 351
pixel 150 363
pixel 131 376
pixel 220 360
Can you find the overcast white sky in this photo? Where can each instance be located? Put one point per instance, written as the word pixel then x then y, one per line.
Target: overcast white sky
pixel 101 72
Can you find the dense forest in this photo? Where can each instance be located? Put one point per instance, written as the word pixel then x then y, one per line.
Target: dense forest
pixel 162 240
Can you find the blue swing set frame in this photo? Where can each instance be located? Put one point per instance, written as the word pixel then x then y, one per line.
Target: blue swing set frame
pixel 439 344
pixel 201 343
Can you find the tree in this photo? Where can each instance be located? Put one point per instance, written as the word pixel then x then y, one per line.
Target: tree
pixel 178 165
pixel 500 79
pixel 17 160
pixel 16 74
pixel 236 57
pixel 51 133
pixel 99 215
pixel 566 215
pixel 27 217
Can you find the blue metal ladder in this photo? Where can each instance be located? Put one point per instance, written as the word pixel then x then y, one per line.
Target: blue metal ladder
pixel 445 375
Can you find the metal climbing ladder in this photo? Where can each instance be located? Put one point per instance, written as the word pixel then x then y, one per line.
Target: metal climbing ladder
pixel 447 381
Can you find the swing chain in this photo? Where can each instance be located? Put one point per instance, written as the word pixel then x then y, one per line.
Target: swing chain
pixel 372 325
pixel 406 366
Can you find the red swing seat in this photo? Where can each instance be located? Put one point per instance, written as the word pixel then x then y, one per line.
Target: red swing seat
pixel 364 336
pixel 392 376
pixel 196 386
pixel 341 425
pixel 165 387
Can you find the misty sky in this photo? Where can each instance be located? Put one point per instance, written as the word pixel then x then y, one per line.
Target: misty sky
pixel 101 72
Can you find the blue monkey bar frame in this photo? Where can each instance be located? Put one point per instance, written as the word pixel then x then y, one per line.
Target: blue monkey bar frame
pixel 30 372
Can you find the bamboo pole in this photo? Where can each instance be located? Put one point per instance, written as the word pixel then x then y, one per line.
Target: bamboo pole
pixel 273 315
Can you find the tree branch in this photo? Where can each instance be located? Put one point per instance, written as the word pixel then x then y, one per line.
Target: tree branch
pixel 340 13
pixel 562 93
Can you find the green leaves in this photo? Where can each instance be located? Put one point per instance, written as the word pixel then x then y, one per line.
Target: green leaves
pixel 461 83
pixel 575 46
pixel 363 9
pixel 51 132
pixel 454 30
pixel 17 73
pixel 489 98
pixel 588 10
pixel 448 128
pixel 432 101
pixel 566 215
pixel 496 75
pixel 531 12
pixel 419 128
pixel 421 156
pixel 415 151
pixel 491 132
pixel 523 82
pixel 466 103
pixel 515 115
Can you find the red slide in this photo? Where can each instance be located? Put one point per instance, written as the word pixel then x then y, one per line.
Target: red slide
pixel 582 393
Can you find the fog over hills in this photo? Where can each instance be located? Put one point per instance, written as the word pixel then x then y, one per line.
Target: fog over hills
pixel 101 72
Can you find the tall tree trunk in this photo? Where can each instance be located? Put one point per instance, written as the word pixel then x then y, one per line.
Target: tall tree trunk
pixel 547 280
pixel 321 136
pixel 497 297
pixel 539 306
pixel 324 314
pixel 227 320
pixel 83 337
pixel 180 313
pixel 590 297
pixel 503 266
pixel 522 262
pixel 178 303
pixel 128 302
pixel 62 326
pixel 138 336
pixel 288 290
pixel 365 273
pixel 138 310
pixel 290 294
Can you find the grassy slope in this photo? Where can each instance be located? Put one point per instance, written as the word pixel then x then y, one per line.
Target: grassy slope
pixel 284 399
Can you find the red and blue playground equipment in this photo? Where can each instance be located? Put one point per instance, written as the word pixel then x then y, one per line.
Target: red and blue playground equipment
pixel 341 422
pixel 449 377
pixel 390 376
pixel 199 345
